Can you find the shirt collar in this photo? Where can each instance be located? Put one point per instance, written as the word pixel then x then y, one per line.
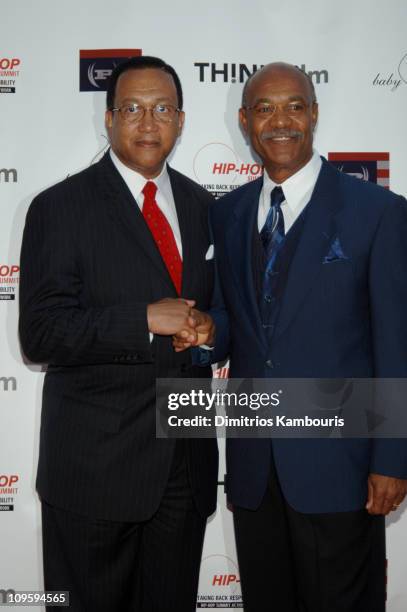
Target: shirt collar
pixel 136 181
pixel 298 185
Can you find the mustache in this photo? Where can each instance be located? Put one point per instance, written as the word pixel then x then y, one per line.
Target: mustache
pixel 281 134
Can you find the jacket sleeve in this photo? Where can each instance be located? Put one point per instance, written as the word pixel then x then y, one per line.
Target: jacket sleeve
pixel 388 299
pixel 220 352
pixel 54 326
pixel 218 309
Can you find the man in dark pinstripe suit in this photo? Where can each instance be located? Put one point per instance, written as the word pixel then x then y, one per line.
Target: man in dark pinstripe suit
pixel 124 513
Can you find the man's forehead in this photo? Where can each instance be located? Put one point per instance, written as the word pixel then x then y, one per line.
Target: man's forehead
pixel 279 79
pixel 148 80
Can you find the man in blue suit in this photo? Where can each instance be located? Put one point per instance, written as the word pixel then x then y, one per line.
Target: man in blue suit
pixel 311 282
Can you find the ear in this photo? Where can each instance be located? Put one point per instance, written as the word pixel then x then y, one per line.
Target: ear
pixel 243 119
pixel 108 121
pixel 181 121
pixel 314 113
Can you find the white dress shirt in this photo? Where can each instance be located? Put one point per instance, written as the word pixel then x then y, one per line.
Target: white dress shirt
pixel 297 190
pixel 164 196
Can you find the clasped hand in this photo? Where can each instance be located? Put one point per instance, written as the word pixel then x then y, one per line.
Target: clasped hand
pixel 178 318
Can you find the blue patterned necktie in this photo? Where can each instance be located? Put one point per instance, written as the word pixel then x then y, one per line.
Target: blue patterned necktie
pixel 272 236
pixel 273 232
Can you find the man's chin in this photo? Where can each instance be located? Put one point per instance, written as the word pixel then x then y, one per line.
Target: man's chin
pixel 282 159
pixel 148 166
pixel 281 167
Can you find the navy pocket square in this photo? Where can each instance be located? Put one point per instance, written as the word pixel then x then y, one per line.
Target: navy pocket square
pixel 335 253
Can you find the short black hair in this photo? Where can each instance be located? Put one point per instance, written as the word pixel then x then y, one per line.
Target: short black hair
pixel 139 63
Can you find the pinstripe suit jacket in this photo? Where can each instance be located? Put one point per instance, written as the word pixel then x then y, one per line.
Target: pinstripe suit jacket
pixel 89 267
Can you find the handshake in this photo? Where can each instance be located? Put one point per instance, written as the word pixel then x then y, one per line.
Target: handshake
pixel 178 318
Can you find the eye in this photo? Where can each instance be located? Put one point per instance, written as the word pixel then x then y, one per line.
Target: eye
pixel 162 109
pixel 132 109
pixel 295 107
pixel 264 109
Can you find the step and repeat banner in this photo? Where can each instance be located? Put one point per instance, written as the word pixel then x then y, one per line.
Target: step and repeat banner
pixel 55 58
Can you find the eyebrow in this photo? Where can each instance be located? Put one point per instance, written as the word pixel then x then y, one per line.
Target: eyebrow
pixel 298 98
pixel 158 100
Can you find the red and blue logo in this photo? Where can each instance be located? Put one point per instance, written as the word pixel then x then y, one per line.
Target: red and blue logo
pixel 96 66
pixel 373 167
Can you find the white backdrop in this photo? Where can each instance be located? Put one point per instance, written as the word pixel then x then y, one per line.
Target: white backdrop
pixel 356 50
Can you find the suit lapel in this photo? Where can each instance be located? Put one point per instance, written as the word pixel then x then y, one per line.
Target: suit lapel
pixel 125 213
pixel 317 234
pixel 186 221
pixel 239 236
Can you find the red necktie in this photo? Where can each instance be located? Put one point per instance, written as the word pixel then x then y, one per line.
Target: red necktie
pixel 162 234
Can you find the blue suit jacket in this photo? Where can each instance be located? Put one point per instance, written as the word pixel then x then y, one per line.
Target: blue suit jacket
pixel 343 318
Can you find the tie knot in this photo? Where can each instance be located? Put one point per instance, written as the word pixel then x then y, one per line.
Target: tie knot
pixel 277 196
pixel 149 190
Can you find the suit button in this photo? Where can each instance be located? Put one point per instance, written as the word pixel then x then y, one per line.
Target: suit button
pixel 184 367
pixel 269 363
pixel 269 327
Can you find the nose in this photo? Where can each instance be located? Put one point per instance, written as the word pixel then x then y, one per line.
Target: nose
pixel 148 123
pixel 280 117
